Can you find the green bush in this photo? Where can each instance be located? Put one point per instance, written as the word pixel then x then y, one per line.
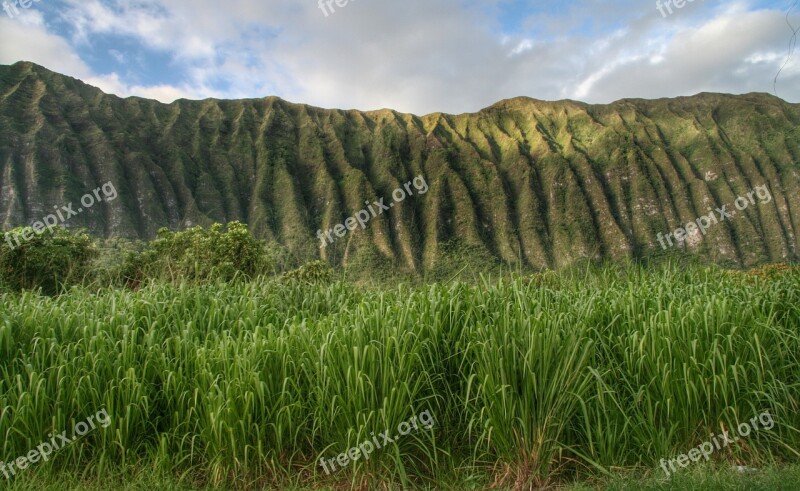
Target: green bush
pixel 50 261
pixel 199 255
pixel 313 272
pixel 109 267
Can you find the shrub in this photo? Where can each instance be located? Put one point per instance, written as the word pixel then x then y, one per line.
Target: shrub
pixel 199 255
pixel 108 268
pixel 313 272
pixel 50 261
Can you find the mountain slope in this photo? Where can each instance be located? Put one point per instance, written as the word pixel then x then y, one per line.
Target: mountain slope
pixel 542 183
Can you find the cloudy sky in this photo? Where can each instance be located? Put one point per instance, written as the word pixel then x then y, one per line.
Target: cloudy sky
pixel 417 56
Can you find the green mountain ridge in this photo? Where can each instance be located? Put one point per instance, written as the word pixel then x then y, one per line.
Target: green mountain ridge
pixel 527 182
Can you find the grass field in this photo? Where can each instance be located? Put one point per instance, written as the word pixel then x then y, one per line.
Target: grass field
pixel 541 381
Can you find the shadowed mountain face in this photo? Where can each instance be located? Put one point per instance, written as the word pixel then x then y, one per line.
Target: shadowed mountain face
pixel 542 183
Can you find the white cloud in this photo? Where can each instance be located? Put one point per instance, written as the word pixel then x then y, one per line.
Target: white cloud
pixel 424 55
pixel 32 42
pixel 736 52
pixel 111 84
pixel 521 47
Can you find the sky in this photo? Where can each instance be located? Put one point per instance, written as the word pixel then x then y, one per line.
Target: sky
pixel 417 56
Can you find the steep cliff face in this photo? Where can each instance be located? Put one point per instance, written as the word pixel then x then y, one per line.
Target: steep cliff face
pixel 542 183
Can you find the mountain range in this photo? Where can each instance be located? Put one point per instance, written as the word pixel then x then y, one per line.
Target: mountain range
pixel 523 182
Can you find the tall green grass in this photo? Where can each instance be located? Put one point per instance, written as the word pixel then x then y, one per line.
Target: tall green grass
pixel 529 380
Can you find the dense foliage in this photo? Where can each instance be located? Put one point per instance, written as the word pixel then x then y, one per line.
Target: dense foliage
pixel 48 261
pixel 62 258
pixel 531 380
pixel 313 272
pixel 200 254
